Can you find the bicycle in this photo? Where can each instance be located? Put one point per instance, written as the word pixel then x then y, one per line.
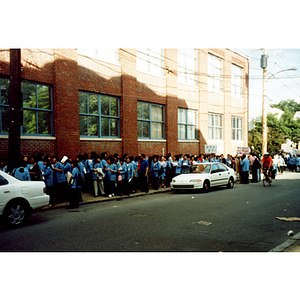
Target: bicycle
pixel 267 178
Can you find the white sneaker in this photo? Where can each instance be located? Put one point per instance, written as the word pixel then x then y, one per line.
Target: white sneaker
pixel 113 195
pixel 109 196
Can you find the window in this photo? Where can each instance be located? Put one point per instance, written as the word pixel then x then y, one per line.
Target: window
pixel 187 66
pixel 150 61
pixel 151 120
pixel 108 55
pixel 215 74
pixel 4 106
pixel 99 115
pixel 3 181
pixel 236 129
pixel 215 127
pixel 187 124
pixel 236 81
pixel 37 109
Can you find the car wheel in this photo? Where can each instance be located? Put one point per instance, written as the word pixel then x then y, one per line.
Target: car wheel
pixel 16 213
pixel 206 186
pixel 230 184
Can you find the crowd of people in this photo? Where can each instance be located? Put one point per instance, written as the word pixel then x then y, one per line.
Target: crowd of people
pixel 110 175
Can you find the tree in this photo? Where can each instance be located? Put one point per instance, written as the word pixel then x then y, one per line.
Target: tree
pixel 278 129
pixel 275 136
pixel 290 127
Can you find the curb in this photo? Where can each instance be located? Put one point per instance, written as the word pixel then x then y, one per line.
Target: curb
pixel 286 244
pixel 88 198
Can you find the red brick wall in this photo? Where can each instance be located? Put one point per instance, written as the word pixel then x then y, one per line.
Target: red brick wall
pixel 69 72
pixel 66 103
pixel 101 146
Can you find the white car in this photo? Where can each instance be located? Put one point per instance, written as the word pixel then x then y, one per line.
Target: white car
pixel 204 176
pixel 18 198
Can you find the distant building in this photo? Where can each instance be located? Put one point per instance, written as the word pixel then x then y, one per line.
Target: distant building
pixel 134 101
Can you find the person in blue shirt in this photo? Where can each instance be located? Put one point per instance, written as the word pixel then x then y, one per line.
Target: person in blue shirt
pixel 40 162
pixel 185 164
pixel 21 173
pixel 135 180
pixel 144 168
pixel 82 172
pixel 111 175
pixel 129 175
pixel 177 165
pixel 74 189
pixel 104 164
pixel 155 167
pixel 122 175
pixel 293 163
pixel 245 163
pixel 47 177
pixel 58 179
pixel 88 184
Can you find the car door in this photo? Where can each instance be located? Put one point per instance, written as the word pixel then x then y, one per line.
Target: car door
pixel 215 176
pixel 223 174
pixel 6 192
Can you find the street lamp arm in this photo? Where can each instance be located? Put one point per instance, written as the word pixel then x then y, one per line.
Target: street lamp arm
pixel 290 69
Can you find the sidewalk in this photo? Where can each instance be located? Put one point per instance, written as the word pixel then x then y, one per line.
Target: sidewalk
pixel 292 244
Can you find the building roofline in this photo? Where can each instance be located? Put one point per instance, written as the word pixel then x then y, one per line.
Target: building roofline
pixel 240 52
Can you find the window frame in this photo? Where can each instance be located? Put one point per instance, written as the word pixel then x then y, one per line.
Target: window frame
pixel 152 57
pixel 186 75
pixel 187 125
pixel 236 129
pixel 99 116
pixel 215 127
pixel 214 63
pixel 150 121
pixel 237 84
pixel 37 110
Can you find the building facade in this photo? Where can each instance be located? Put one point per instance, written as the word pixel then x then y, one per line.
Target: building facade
pixel 134 101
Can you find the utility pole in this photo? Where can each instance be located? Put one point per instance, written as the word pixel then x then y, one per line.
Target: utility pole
pixel 263 65
pixel 15 107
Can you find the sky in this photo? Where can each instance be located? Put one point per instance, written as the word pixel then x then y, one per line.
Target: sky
pixel 283 86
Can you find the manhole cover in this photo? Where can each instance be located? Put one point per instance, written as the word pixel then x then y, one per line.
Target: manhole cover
pixel 204 223
pixel 140 215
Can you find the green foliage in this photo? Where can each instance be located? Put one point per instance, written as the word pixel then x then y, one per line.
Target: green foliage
pixel 278 130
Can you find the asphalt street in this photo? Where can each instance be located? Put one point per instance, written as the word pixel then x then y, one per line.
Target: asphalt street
pixel 242 219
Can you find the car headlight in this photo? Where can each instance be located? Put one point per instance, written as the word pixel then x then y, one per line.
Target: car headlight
pixel 195 180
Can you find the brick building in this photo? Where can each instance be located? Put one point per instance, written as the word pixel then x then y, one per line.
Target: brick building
pixel 133 101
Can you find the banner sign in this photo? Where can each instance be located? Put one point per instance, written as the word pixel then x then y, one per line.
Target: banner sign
pixel 243 150
pixel 210 149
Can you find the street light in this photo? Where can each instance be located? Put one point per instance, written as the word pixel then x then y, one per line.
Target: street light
pixel 264 102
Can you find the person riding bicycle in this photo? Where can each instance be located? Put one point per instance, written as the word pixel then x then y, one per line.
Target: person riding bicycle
pixel 267 164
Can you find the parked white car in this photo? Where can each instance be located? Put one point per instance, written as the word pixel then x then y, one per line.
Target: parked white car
pixel 204 176
pixel 18 198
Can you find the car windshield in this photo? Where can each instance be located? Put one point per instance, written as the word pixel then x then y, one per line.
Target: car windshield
pixel 201 168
